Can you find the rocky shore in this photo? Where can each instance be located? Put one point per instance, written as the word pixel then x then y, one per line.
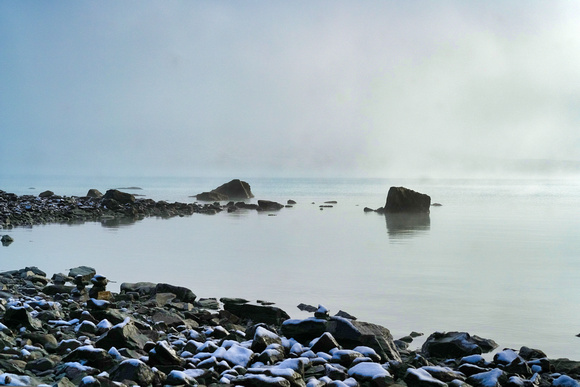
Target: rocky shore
pixel 70 331
pixel 112 208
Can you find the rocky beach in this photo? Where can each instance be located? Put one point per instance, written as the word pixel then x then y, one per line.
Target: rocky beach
pixel 68 330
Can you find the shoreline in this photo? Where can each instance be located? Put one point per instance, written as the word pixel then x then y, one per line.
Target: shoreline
pixel 111 208
pixel 69 330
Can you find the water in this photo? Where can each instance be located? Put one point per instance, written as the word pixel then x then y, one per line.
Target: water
pixel 500 259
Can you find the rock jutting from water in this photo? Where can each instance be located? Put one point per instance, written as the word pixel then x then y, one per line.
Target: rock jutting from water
pixel 401 200
pixel 151 334
pixel 234 189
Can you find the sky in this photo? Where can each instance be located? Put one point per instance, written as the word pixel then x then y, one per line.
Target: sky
pixel 290 88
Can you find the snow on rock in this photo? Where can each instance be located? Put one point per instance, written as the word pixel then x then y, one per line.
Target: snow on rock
pixel 421 378
pixel 565 381
pixel 493 378
pixel 238 355
pixel 370 371
pixel 505 357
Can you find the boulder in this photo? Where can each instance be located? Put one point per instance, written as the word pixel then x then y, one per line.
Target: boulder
pixel 352 333
pixel 257 313
pixel 184 294
pixel 493 378
pixel 119 197
pixel 94 193
pixel 46 194
pixel 135 370
pixel 123 335
pixel 85 272
pixel 235 189
pixel 18 316
pixel 304 330
pixel 448 345
pixel 421 378
pixel 267 205
pixel 401 199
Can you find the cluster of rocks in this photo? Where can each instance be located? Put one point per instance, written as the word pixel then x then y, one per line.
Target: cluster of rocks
pixel 64 332
pixel 111 208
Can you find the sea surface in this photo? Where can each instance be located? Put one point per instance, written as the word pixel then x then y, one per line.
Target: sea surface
pixel 499 258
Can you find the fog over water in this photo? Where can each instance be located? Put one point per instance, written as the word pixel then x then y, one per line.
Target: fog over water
pixel 256 88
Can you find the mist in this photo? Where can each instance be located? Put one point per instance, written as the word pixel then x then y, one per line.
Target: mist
pixel 330 88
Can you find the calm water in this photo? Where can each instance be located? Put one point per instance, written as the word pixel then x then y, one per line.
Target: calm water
pixel 500 259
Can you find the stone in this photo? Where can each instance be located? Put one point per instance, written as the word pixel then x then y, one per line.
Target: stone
pixel 235 189
pixel 446 345
pixel 135 370
pixel 257 313
pixel 6 240
pixel 182 293
pixel 91 356
pixel 163 355
pixel 421 378
pixel 401 199
pixel 123 335
pixel 85 272
pixel 118 196
pixel 304 330
pixel 142 288
pixel 16 316
pixel 371 373
pixel 46 194
pixel 529 353
pixel 325 343
pixel 94 193
pixel 263 338
pixel 493 378
pixel 267 205
pixel 352 333
pixel 211 197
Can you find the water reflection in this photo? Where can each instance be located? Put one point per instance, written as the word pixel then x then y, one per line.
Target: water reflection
pixel 118 222
pixel 402 226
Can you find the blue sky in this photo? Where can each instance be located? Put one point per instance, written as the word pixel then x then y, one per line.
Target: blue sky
pixel 300 88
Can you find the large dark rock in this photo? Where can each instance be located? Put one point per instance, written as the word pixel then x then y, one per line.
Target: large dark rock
pixel 267 205
pixel 446 345
pixel 94 193
pixel 235 189
pixel 135 370
pixel 401 199
pixel 352 333
pixel 119 197
pixel 184 294
pixel 258 313
pixel 304 330
pixel 16 316
pixel 123 335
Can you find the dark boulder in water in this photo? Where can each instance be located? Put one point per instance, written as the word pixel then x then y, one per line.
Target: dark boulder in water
pixel 456 344
pixel 94 193
pixel 235 189
pixel 119 197
pixel 401 199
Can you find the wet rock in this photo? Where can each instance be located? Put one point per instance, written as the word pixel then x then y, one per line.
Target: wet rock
pixel 456 344
pixel 351 333
pixel 257 313
pixel 267 205
pixel 401 199
pixel 94 193
pixel 118 196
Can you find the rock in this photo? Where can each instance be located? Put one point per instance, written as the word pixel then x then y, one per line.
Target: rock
pixel 351 333
pixel 401 199
pixel 143 288
pixel 91 356
pixel 118 196
pixel 46 194
pixel 455 345
pixel 344 314
pixel 135 370
pixel 257 313
pixel 94 193
pixel 493 378
pixel 421 378
pixel 529 353
pixel 565 381
pixel 16 316
pixel 325 343
pixel 235 189
pixel 85 272
pixel 267 205
pixel 163 355
pixel 123 335
pixel 6 240
pixel 371 372
pixel 184 294
pixel 304 330
pixel 211 197
pixel 307 308
pixel 263 338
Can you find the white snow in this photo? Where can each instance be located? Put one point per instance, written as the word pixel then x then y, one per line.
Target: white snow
pixel 88 379
pixel 425 376
pixel 104 324
pixel 506 356
pixel 366 351
pixel 368 371
pixel 565 381
pixel 473 359
pixel 115 353
pixel 238 355
pixel 322 309
pixel 123 324
pixel 489 378
pixel 9 379
pixel 100 303
pixel 263 332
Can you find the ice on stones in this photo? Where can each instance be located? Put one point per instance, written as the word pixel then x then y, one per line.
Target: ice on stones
pixel 565 381
pixel 238 355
